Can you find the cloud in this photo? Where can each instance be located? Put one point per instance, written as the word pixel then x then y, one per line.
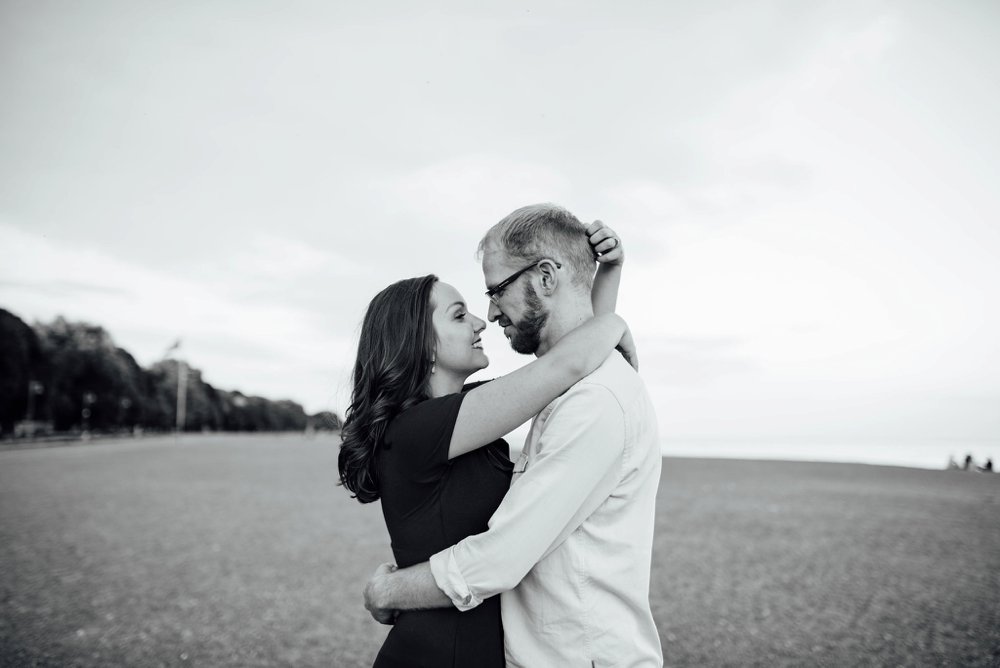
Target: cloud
pixel 63 289
pixel 806 197
pixel 657 214
pixel 475 190
pixel 293 355
pixel 696 362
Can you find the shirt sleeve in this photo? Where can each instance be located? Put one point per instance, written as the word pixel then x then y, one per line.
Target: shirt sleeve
pixel 577 466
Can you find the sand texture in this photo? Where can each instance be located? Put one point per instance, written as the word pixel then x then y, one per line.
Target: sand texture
pixel 242 551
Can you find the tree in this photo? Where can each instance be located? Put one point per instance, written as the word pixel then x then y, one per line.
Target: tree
pixel 325 421
pixel 92 381
pixel 21 370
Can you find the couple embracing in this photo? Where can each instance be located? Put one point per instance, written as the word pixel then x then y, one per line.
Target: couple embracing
pixel 543 562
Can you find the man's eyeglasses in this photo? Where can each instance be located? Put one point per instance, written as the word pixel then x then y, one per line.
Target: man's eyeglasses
pixel 496 291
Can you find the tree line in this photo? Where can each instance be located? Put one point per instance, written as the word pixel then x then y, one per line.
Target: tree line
pixel 70 376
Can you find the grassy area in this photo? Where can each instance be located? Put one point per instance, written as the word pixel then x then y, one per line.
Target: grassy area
pixel 241 551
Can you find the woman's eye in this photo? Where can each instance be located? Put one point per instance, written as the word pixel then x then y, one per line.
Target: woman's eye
pixel 460 315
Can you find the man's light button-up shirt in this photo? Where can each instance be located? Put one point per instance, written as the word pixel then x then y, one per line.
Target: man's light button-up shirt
pixel 570 545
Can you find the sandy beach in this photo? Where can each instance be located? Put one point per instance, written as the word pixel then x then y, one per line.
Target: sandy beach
pixel 242 551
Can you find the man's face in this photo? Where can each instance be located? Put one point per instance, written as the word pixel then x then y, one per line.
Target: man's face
pixel 518 308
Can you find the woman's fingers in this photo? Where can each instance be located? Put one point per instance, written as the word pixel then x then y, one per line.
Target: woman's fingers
pixel 599 234
pixel 610 251
pixel 607 246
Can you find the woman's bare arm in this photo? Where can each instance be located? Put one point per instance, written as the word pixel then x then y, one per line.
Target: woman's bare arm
pixel 496 408
pixel 610 256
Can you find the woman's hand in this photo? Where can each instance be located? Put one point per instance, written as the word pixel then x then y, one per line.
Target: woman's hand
pixel 605 244
pixel 627 348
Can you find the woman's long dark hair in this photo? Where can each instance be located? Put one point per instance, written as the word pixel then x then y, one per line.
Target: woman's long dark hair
pixel 390 375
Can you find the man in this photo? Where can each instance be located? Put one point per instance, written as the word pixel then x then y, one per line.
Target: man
pixel 570 546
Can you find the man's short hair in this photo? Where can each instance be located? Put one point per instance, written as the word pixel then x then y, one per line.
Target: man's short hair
pixel 538 231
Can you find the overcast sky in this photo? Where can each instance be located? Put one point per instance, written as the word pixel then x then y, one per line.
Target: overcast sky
pixel 807 192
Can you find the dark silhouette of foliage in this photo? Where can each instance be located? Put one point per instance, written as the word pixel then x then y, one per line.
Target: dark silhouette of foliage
pixel 21 363
pixel 325 421
pixel 80 380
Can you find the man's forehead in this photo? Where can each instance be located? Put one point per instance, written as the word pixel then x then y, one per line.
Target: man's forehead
pixel 495 260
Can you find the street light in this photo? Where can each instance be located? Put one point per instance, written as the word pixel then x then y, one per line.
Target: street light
pixel 182 373
pixel 123 405
pixel 89 398
pixel 34 389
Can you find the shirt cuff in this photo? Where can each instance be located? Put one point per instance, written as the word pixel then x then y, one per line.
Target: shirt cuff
pixel 450 580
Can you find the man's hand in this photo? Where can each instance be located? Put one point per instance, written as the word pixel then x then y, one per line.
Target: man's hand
pixel 605 243
pixel 372 598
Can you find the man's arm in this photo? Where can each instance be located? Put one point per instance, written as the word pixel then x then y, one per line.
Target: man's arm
pixel 577 467
pixel 410 588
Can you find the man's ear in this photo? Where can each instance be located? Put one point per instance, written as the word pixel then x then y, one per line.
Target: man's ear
pixel 548 278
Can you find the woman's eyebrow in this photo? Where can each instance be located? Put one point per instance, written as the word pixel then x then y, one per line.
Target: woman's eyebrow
pixel 458 304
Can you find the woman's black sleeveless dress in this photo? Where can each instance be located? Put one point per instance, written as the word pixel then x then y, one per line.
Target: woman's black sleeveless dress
pixel 431 503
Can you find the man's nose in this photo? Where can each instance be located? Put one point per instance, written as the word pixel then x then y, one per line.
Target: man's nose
pixel 493 313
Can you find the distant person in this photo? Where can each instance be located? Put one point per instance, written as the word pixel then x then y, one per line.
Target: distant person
pixel 967 466
pixel 987 467
pixel 570 546
pixel 430 447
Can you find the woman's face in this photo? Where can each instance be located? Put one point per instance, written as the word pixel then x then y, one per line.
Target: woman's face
pixel 459 348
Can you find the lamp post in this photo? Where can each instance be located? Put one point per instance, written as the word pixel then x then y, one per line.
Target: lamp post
pixel 88 400
pixel 34 389
pixel 182 373
pixel 123 405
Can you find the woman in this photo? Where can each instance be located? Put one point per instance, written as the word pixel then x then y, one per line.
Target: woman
pixel 430 447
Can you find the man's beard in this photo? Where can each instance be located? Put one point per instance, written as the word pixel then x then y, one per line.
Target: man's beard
pixel 528 332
